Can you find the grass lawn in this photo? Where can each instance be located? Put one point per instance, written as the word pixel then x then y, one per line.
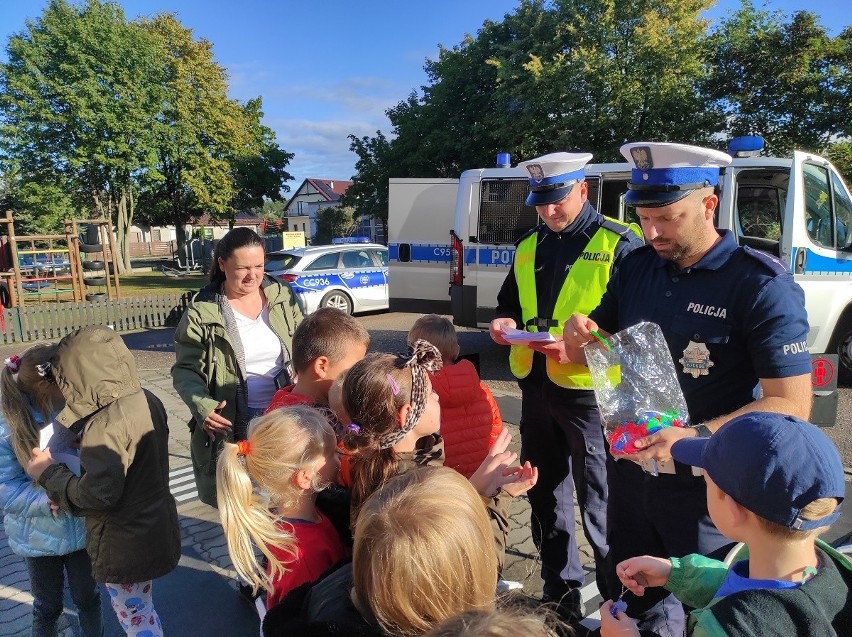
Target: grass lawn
pixel 158 283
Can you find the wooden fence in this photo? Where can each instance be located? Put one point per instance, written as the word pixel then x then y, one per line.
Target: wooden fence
pixel 51 321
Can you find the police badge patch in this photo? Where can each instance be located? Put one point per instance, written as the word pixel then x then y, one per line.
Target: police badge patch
pixel 536 171
pixel 696 360
pixel 642 157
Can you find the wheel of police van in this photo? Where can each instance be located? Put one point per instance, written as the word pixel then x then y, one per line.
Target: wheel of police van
pixel 337 299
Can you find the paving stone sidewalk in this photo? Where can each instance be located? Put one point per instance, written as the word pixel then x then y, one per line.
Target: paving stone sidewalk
pixel 205 549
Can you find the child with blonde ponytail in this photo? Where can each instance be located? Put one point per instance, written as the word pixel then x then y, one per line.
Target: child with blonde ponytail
pixel 267 487
pixel 52 541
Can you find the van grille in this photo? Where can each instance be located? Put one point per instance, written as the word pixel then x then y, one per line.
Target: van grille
pixel 503 216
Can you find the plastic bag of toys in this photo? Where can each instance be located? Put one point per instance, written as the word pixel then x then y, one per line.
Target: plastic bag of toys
pixel 636 385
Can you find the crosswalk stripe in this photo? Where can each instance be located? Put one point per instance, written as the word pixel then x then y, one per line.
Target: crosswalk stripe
pixel 182 484
pixel 182 480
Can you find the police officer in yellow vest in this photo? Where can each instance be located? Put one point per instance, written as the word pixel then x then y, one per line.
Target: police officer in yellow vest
pixel 561 266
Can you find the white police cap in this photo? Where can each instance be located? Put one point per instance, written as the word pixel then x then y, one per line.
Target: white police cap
pixel 665 173
pixel 553 176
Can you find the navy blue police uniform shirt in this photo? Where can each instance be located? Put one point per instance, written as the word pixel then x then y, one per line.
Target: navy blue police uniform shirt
pixel 732 318
pixel 554 255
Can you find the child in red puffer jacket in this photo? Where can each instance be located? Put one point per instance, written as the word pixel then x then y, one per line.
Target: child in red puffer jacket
pixel 470 418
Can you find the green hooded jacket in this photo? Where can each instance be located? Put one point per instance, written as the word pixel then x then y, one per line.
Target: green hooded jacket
pixel 206 369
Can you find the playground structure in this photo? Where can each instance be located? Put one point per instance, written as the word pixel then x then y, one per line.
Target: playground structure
pixel 51 266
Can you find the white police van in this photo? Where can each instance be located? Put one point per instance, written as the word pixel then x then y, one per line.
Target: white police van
pixel 352 277
pixel 798 209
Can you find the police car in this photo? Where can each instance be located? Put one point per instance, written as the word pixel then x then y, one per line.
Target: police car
pixel 350 277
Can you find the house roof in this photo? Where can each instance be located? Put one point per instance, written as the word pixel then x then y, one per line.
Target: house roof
pixel 241 218
pixel 329 189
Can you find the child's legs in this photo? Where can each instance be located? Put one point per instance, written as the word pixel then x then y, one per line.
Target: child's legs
pixel 47 581
pixel 134 606
pixel 84 592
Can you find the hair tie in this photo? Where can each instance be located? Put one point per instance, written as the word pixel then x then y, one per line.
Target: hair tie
pixel 243 447
pixel 353 428
pixel 13 363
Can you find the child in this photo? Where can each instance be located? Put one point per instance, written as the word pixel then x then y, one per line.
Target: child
pixel 291 455
pixel 123 492
pixel 422 555
pixel 499 623
pixel 774 482
pixel 52 541
pixel 396 417
pixel 325 343
pixel 470 418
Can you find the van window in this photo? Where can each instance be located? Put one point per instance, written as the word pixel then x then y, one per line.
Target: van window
pixel 820 217
pixel 324 262
pixel 843 213
pixel 503 215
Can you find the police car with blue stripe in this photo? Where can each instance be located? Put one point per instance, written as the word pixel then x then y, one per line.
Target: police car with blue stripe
pixel 351 277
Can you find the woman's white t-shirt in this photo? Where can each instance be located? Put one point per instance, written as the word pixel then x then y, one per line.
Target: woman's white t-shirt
pixel 264 357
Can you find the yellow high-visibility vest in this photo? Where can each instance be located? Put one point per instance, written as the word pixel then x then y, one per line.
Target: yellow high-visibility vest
pixel 581 292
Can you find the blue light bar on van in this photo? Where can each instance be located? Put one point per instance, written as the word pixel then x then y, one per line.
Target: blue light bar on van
pixel 504 160
pixel 746 146
pixel 340 240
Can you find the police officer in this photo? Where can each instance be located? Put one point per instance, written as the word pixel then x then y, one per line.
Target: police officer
pixel 736 327
pixel 560 267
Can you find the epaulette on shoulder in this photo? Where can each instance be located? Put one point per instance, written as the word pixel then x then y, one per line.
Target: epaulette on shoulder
pixel 774 264
pixel 529 232
pixel 618 227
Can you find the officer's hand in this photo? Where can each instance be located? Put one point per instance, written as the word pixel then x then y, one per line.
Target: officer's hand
pixel 658 446
pixel 496 329
pixel 619 626
pixel 638 573
pixel 577 331
pixel 554 350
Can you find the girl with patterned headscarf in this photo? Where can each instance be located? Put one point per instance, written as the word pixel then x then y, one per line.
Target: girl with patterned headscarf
pixel 395 426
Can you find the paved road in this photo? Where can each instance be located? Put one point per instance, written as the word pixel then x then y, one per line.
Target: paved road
pixel 199 597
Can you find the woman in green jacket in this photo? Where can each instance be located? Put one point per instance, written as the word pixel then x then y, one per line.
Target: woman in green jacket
pixel 233 349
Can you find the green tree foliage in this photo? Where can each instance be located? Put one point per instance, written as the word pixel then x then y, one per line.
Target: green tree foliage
pixel 203 139
pixel 334 222
pixel 778 78
pixel 98 113
pixel 78 95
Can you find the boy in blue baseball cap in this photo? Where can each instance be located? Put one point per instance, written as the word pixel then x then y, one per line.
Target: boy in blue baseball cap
pixel 774 483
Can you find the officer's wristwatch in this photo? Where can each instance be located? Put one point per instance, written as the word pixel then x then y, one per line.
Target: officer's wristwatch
pixel 702 431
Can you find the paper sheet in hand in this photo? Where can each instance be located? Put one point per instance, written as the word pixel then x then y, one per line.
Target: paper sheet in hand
pixel 520 336
pixel 58 439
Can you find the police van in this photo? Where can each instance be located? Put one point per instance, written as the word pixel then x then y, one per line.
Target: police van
pixel 797 209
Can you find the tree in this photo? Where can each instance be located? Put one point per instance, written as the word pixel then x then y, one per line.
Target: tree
pixel 260 173
pixel 561 75
pixel 77 98
pixel 779 79
pixel 334 222
pixel 212 152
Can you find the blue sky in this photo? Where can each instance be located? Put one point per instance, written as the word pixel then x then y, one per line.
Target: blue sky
pixel 329 68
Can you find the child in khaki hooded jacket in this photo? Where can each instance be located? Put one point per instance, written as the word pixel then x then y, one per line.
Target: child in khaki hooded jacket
pixel 123 493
